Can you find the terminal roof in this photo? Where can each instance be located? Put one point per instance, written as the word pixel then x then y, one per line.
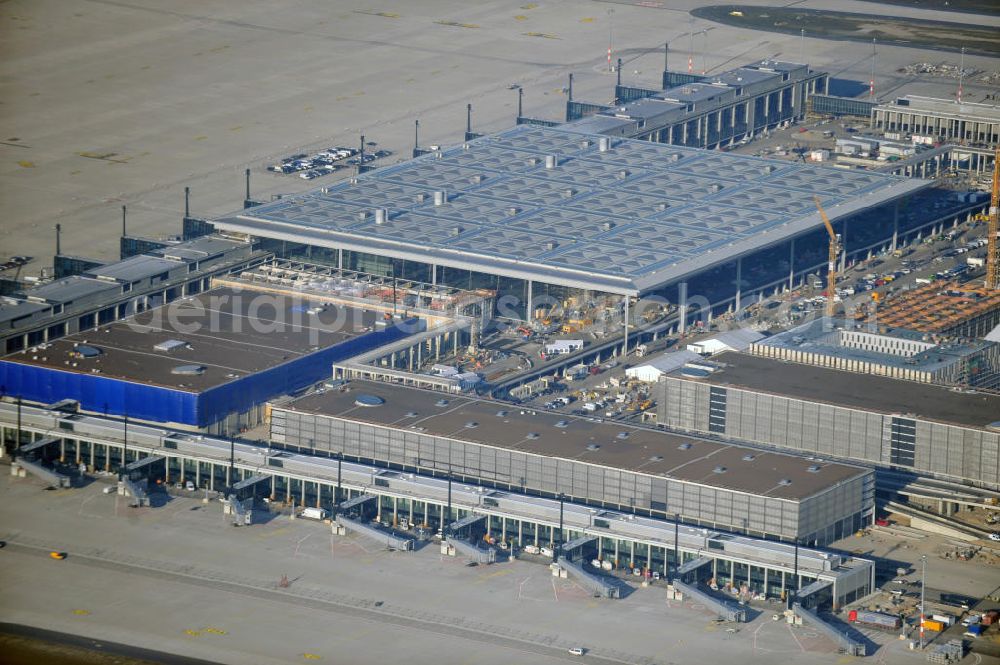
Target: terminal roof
pixel 627 220
pixel 607 444
pixel 227 334
pixel 858 391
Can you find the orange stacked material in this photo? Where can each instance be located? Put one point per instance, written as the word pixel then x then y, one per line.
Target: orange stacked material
pixel 942 308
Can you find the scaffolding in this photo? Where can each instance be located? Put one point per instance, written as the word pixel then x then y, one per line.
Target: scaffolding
pixel 940 308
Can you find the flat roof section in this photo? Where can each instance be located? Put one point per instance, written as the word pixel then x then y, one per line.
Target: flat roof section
pixel 135 268
pixel 944 107
pixel 608 444
pixel 856 391
pixel 510 211
pixel 228 334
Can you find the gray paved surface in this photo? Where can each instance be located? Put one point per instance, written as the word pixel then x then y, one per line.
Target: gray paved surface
pixel 179 579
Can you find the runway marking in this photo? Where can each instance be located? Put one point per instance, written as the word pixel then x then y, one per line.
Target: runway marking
pixel 520 587
pixel 554 592
pixel 299 543
pixel 792 632
pixel 382 14
pixel 543 35
pixel 755 635
pixel 456 24
pixel 81 613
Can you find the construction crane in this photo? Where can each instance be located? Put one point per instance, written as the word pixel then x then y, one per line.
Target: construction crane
pixel 993 230
pixel 831 274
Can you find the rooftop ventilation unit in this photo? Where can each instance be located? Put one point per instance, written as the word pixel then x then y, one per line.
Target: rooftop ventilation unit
pixel 421 197
pixel 368 401
pixel 684 446
pixel 456 231
pixel 363 215
pixel 352 181
pixel 169 345
pixel 593 446
pixel 715 188
pixel 748 457
pixel 381 215
pixel 513 210
pixel 532 435
pixel 411 414
pixel 188 370
pixel 719 469
pixel 550 161
pixel 674 157
pixel 532 161
pixel 607 226
pixel 562 423
pixel 768 170
pixel 441 402
pixel 585 143
pixel 656 458
pixel 621 175
pixel 784 482
pixel 476 179
pixel 501 414
pixel 813 468
pixel 471 425
pixel 604 144
pixel 621 435
pixel 551 244
pixel 568 193
pixel 440 197
pixel 662 206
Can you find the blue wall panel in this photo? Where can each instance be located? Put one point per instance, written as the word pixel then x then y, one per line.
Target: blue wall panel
pixel 98 393
pixel 102 394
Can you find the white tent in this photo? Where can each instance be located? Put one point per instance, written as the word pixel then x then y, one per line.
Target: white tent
pixel 652 370
pixel 731 340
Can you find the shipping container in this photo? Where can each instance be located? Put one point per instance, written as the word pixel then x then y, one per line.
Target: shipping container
pixel 874 619
pixel 931 624
pixel 973 631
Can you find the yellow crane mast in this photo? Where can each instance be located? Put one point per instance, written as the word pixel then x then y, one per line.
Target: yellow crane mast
pixel 831 274
pixel 993 230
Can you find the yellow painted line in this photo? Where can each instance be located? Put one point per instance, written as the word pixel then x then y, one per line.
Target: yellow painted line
pixel 311 656
pixel 530 5
pixel 81 613
pixel 520 17
pixel 236 128
pixel 456 24
pixel 588 19
pixel 499 573
pixel 543 35
pixel 26 164
pixel 200 138
pixel 192 633
pixel 214 631
pixel 382 14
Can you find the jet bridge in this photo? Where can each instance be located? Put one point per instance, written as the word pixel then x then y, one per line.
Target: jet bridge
pixel 46 475
pixel 356 501
pixel 247 488
pixel 135 489
pixel 693 565
pixel 730 611
pixel 36 445
pixel 472 551
pixel 466 521
pixel 597 584
pixel 576 543
pixel 845 643
pixel 381 536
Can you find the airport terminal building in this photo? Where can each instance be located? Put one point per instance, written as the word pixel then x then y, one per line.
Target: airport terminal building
pixel 601 464
pixel 880 421
pixel 534 211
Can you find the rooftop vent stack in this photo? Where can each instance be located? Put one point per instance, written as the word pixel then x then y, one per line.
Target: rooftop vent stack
pixel 585 143
pixel 604 144
pixel 715 188
pixel 456 231
pixel 568 193
pixel 477 179
pixel 607 226
pixel 622 174
pixel 769 169
pixel 551 244
pixel 421 197
pixel 363 215
pixel 662 206
pixel 511 211
pixel 440 197
pixel 550 161
pixel 381 215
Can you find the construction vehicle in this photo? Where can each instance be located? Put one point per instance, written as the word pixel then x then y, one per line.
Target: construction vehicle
pixel 831 275
pixel 993 230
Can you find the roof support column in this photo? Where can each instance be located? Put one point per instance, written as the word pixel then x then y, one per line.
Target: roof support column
pixel 791 266
pixel 682 306
pixel 625 342
pixel 739 284
pixel 529 310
